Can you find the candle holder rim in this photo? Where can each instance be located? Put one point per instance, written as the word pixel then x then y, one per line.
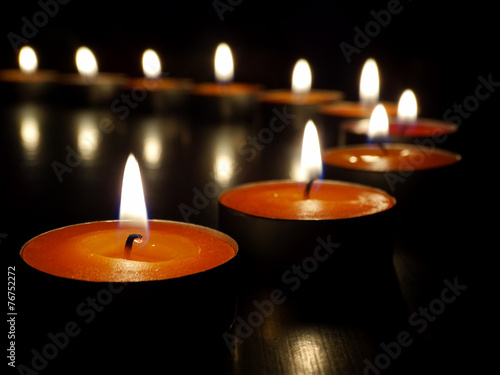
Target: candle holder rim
pixel 270 182
pixel 455 155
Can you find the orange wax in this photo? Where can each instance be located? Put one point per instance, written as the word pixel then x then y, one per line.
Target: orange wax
pixel 356 109
pixel 312 97
pixel 160 84
pixel 327 200
pixel 16 75
pixel 96 251
pixel 230 89
pixel 394 157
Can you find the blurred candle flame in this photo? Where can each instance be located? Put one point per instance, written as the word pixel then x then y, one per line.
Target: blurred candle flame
pixel 379 124
pixel 311 162
pixel 301 77
pixel 151 64
pixel 86 62
pixel 224 69
pixel 369 83
pixel 407 107
pixel 27 60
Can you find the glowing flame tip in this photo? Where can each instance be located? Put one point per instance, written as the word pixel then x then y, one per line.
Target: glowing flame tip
pixel 28 61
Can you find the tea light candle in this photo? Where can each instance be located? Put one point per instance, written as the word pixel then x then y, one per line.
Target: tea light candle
pixel 417 175
pixel 153 278
pixel 280 223
pixel 224 99
pixel 336 113
pixel 89 86
pixel 104 252
pixel 156 92
pixel 303 102
pixel 406 127
pixel 28 83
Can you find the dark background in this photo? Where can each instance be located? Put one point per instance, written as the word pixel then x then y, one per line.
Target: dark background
pixel 437 49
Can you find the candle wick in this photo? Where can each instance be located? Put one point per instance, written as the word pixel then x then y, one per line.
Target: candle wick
pixel 307 190
pixel 382 147
pixel 130 240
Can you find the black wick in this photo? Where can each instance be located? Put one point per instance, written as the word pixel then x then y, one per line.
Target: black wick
pixel 307 190
pixel 130 240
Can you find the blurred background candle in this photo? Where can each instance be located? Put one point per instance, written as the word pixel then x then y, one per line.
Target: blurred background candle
pixel 27 83
pixel 407 127
pixel 224 99
pixel 335 114
pixel 89 86
pixel 156 91
pixel 302 101
pixel 421 177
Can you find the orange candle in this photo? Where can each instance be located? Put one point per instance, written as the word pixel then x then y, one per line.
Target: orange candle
pixel 224 99
pixel 155 91
pixel 281 223
pixel 130 249
pixel 89 86
pixel 95 252
pixel 385 165
pixel 336 113
pixel 302 101
pixel 27 82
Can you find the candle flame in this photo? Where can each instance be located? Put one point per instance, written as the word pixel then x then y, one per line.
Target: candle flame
pixel 151 64
pixel 311 163
pixel 301 78
pixel 224 70
pixel 407 107
pixel 379 124
pixel 369 83
pixel 27 60
pixel 86 62
pixel 133 206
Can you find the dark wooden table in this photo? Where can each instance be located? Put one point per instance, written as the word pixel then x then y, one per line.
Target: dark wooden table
pixel 428 313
